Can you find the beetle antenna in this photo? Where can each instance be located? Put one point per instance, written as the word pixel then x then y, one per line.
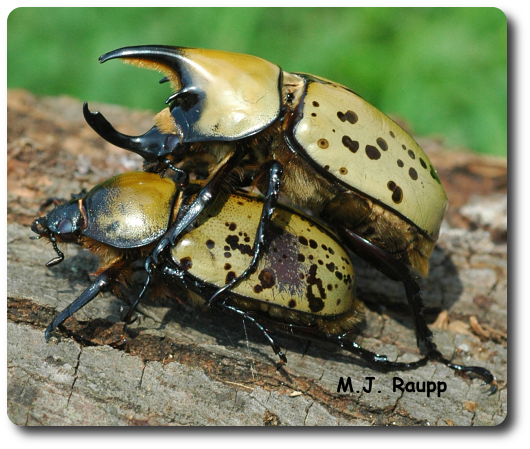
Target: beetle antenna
pixel 181 177
pixel 59 259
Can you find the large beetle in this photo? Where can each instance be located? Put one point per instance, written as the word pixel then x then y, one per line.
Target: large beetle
pixel 315 143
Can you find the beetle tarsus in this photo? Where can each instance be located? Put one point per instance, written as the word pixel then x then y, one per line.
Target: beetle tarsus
pixel 127 317
pixel 483 373
pixel 275 347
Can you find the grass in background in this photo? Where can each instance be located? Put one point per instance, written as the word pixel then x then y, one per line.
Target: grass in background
pixel 442 69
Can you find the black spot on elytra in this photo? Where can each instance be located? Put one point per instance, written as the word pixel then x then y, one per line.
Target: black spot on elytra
pixel 320 262
pixel 392 134
pixel 422 162
pixel 230 276
pixel 301 257
pixel 315 104
pixel 316 304
pixel 292 303
pixel 303 240
pixel 258 288
pixel 397 195
pixel 411 154
pixel 267 278
pixel 330 266
pixel 313 244
pixel 330 287
pixel 382 143
pixel 228 255
pixel 397 192
pixel 350 116
pixel 186 263
pixel 330 249
pixel 233 241
pixel 372 152
pixel 413 173
pixel 352 145
pixel 313 114
pixel 338 274
pixel 210 244
pixel 227 266
pixel 404 147
pixel 232 226
pixel 343 171
pixel 400 163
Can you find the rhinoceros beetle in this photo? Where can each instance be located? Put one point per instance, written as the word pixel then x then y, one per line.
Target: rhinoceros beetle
pixel 304 285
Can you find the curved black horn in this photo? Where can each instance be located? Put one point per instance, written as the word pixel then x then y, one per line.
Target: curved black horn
pixel 164 54
pixel 151 146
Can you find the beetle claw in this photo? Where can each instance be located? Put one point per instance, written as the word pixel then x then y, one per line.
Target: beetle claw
pixel 127 317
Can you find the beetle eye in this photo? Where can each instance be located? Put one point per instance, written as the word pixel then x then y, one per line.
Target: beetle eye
pixel 290 97
pixel 185 100
pixel 65 229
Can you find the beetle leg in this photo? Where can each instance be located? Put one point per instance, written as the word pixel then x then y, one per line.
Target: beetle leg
pixel 377 361
pixel 396 271
pixel 126 317
pixel 103 283
pixel 275 171
pixel 275 347
pixel 370 358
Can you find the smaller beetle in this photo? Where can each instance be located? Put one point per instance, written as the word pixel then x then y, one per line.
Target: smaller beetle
pixel 303 285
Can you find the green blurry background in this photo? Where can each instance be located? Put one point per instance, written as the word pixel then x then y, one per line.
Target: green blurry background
pixel 443 70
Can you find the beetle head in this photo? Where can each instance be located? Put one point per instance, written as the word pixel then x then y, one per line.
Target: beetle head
pixel 217 96
pixel 64 223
